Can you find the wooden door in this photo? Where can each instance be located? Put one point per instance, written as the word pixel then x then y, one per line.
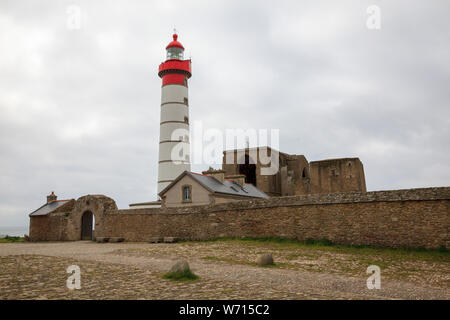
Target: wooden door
pixel 86 226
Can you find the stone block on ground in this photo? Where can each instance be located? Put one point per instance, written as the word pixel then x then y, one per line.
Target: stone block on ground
pixel 101 239
pixel 180 267
pixel 265 260
pixel 116 239
pixel 170 239
pixel 155 240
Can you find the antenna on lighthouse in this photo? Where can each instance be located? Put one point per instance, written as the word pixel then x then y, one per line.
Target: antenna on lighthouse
pixel 175 30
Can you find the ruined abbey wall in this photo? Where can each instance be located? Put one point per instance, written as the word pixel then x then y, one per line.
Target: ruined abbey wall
pixel 296 176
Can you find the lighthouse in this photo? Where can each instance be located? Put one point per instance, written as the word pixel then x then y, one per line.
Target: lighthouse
pixel 174 147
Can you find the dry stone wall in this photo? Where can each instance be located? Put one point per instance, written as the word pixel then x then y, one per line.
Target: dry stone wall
pixel 401 218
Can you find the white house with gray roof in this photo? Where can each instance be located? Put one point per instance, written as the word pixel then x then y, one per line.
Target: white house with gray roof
pixel 211 187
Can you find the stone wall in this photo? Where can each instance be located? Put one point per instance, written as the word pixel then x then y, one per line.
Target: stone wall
pixel 48 228
pixel 51 227
pixel 401 218
pixel 99 205
pixel 337 175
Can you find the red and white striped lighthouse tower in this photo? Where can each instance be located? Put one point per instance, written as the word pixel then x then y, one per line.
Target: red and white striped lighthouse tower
pixel 174 125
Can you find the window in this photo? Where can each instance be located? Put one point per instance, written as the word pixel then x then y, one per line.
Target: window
pixel 334 172
pixel 187 197
pixel 186 120
pixel 175 53
pixel 186 101
pixel 304 173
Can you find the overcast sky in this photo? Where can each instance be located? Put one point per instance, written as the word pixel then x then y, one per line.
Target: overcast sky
pixel 79 108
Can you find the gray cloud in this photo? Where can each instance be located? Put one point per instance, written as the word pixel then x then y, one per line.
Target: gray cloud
pixel 79 110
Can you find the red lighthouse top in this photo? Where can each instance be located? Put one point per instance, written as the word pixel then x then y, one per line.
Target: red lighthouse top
pixel 175 43
pixel 175 70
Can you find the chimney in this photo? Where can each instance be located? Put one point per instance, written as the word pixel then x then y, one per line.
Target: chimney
pixel 218 174
pixel 52 197
pixel 237 178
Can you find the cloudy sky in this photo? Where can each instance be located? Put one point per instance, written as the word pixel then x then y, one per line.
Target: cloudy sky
pixel 79 107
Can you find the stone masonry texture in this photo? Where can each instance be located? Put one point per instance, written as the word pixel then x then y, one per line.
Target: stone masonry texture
pixel 412 218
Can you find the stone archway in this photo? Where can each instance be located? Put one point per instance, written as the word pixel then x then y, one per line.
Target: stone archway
pixel 99 206
pixel 87 225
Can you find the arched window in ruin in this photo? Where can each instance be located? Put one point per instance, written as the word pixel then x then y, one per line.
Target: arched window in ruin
pixel 304 174
pixel 248 168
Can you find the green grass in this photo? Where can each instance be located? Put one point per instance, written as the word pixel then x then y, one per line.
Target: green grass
pixel 274 265
pixel 187 275
pixel 9 239
pixel 213 258
pixel 229 260
pixel 439 255
pixel 226 291
pixel 234 261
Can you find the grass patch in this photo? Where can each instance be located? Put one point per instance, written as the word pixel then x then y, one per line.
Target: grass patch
pixel 292 256
pixel 228 260
pixel 324 245
pixel 226 291
pixel 187 275
pixel 275 265
pixel 9 239
pixel 328 243
pixel 212 258
pixel 249 263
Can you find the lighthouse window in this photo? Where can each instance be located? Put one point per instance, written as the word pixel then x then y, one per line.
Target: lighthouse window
pixel 175 53
pixel 186 101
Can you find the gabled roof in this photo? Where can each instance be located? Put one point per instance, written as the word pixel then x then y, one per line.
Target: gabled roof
pixel 48 207
pixel 213 185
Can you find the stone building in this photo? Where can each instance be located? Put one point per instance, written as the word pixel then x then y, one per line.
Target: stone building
pixel 294 175
pixel 70 219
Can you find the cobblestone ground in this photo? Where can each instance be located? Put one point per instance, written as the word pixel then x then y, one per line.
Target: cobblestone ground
pixel 226 269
